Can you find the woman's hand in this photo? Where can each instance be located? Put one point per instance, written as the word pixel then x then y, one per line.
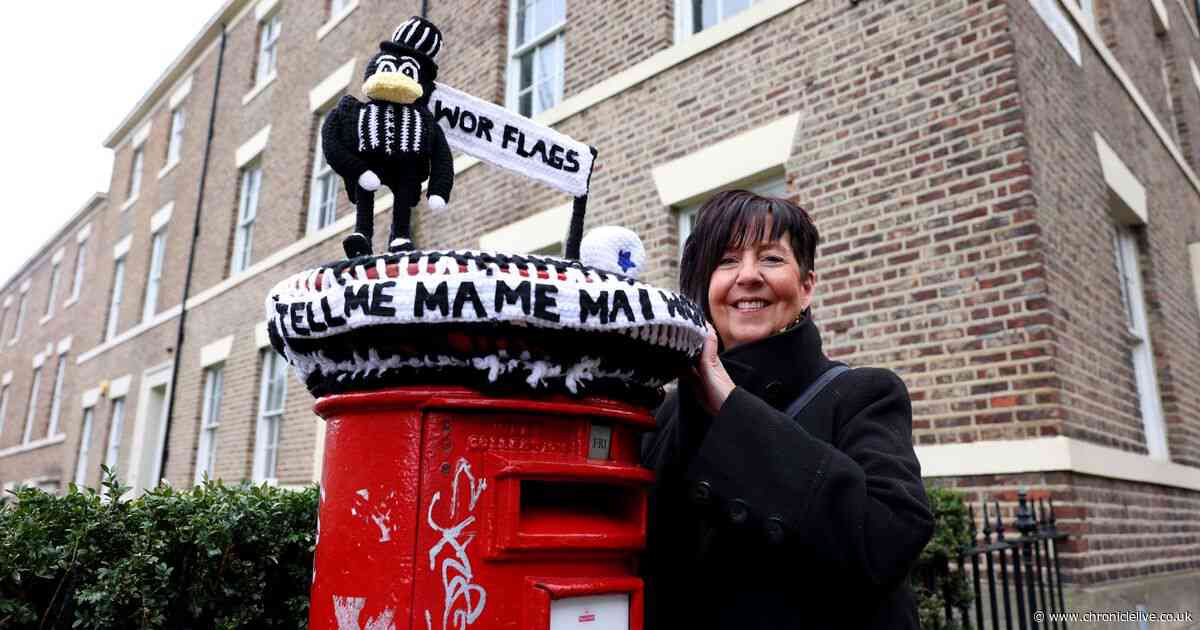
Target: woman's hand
pixel 709 378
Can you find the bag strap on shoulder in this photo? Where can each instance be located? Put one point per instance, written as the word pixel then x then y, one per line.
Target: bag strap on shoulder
pixel 815 388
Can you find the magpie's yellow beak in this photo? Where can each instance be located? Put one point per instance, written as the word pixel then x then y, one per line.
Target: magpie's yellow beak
pixel 392 87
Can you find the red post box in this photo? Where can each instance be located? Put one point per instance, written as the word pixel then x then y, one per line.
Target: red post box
pixel 443 508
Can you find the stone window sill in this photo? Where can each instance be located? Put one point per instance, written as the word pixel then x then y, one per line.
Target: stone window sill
pixel 335 20
pixel 258 89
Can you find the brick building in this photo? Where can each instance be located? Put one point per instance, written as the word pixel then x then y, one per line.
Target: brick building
pixel 1007 193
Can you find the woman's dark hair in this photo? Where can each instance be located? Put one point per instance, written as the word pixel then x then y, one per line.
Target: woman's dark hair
pixel 733 218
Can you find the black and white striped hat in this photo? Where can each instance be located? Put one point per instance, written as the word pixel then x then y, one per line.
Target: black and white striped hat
pixel 419 35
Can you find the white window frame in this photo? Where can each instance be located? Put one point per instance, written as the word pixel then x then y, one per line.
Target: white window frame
pixel 553 35
pixel 116 422
pixel 175 139
pixel 270 420
pixel 114 302
pixel 56 396
pixel 55 272
pixel 80 258
pixel 323 189
pixel 243 237
pixel 16 334
pixel 268 48
pixel 85 446
pixel 210 421
pixel 1141 352
pixel 685 17
pixel 31 411
pixel 158 245
pixel 773 186
pixel 135 174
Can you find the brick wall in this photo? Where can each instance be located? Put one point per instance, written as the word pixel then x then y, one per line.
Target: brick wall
pixel 36 333
pixel 1090 350
pixel 912 157
pixel 944 148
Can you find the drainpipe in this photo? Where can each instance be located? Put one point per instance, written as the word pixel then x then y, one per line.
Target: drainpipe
pixel 187 281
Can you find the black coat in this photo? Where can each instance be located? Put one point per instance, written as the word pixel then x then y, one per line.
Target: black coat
pixel 759 521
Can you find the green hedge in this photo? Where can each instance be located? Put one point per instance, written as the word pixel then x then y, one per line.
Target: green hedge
pixel 213 556
pixel 218 556
pixel 951 532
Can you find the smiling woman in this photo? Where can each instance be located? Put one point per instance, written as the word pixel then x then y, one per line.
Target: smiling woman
pixel 787 493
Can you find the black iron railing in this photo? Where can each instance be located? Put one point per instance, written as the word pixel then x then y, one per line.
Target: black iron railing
pixel 1012 577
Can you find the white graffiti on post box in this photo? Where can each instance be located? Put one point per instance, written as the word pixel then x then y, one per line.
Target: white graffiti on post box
pixel 464 600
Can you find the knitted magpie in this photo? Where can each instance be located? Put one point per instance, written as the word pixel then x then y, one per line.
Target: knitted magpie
pixel 392 139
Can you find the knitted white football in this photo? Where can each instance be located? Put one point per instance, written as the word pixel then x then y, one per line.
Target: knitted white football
pixel 615 249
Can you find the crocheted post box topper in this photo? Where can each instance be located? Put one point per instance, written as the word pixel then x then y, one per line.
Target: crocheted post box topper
pixel 486 320
pixel 391 140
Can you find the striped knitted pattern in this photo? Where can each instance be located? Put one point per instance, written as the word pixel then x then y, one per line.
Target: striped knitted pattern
pixel 380 132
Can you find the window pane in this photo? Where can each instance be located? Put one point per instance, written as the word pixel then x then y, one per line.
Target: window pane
pixel 526 72
pixel 154 276
pixel 271 449
pixel 550 13
pixel 31 410
pixel 114 305
pixel 135 176
pixel 80 256
pixel 56 396
pixel 731 8
pixel 114 433
pixel 207 450
pixel 323 204
pixel 85 442
pixel 53 289
pixel 525 17
pixel 177 123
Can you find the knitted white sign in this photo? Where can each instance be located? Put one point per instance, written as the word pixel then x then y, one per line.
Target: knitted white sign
pixel 502 137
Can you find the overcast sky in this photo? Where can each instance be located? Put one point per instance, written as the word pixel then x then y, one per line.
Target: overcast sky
pixel 72 70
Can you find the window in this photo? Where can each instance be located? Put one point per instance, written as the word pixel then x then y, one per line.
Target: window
pixel 1142 356
pixel 85 445
pixel 210 419
pixel 271 400
pixel 322 206
pixel 535 77
pixel 114 303
pixel 268 47
pixel 54 273
pixel 337 7
pixel 243 237
pixel 135 174
pixel 774 187
pixel 175 143
pixel 31 412
pixel 693 16
pixel 115 420
pixel 56 396
pixel 154 275
pixel 3 407
pixel 80 258
pixel 20 318
pixel 3 321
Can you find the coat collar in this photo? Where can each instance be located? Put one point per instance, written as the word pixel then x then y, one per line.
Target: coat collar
pixel 780 367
